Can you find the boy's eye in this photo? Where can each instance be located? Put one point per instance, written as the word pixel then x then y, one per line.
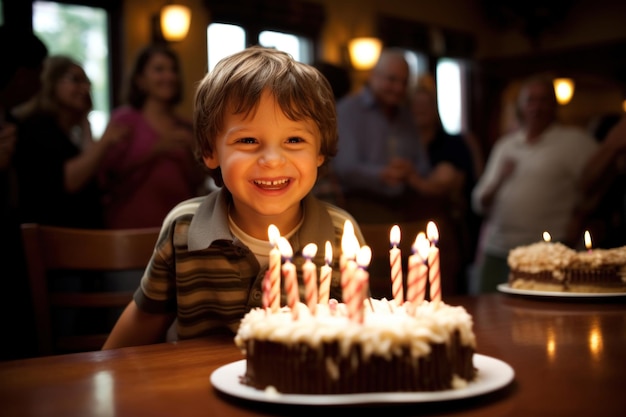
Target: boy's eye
pixel 295 139
pixel 247 140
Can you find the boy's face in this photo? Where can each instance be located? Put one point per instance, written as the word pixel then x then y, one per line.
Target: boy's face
pixel 269 164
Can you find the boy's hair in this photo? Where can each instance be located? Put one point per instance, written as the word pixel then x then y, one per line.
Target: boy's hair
pixel 237 83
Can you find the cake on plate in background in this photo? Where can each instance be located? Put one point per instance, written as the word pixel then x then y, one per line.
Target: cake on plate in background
pixel 552 266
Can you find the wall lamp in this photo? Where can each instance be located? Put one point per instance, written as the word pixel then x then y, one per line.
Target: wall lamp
pixel 172 23
pixel 564 90
pixel 364 52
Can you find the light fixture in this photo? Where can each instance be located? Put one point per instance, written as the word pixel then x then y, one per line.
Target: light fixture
pixel 564 90
pixel 175 20
pixel 364 52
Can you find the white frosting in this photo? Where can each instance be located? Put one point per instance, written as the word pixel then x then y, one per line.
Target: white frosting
pixel 384 332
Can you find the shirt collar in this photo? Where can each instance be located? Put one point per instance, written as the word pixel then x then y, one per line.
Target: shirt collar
pixel 210 223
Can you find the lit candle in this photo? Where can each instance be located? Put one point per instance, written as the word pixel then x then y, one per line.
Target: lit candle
pixel 289 276
pixel 546 237
pixel 434 271
pixel 325 274
pixel 588 241
pixel 418 270
pixel 349 249
pixel 309 276
pixel 274 269
pixel 360 287
pixel 266 287
pixel 395 260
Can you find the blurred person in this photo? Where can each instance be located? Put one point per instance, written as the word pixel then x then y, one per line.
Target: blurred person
pixel 327 187
pixel 603 208
pixel 151 171
pixel 22 55
pixel 377 143
pixel 445 193
pixel 531 182
pixel 56 157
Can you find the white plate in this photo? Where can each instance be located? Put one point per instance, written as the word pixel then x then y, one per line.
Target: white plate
pixel 506 288
pixel 492 374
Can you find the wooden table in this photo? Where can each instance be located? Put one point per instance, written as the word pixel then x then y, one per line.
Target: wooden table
pixel 569 358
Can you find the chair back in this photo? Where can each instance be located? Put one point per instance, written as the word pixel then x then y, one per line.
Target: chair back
pixel 50 249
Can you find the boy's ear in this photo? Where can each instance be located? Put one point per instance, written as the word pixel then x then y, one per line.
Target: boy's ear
pixel 211 161
pixel 320 160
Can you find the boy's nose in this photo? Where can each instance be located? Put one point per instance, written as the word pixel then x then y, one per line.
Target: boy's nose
pixel 271 156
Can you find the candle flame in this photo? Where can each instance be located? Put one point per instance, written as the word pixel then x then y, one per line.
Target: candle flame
pixel 432 232
pixel 587 239
pixel 421 245
pixel 309 250
pixel 285 248
pixel 394 235
pixel 349 242
pixel 273 234
pixel 364 256
pixel 328 256
pixel 547 237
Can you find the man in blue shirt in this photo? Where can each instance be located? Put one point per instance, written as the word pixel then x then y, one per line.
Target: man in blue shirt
pixel 378 143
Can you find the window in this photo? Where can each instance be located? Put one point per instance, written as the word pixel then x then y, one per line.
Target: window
pixel 450 95
pixel 80 32
pixel 218 47
pixel 226 39
pixel 418 65
pixel 297 47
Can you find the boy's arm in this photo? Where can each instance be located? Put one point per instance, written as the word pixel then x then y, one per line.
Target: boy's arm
pixel 136 327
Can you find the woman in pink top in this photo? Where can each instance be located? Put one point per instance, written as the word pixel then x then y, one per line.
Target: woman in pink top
pixel 146 176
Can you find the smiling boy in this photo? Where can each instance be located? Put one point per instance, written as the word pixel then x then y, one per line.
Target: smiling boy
pixel 264 124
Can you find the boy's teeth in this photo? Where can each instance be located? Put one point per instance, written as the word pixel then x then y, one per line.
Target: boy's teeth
pixel 276 182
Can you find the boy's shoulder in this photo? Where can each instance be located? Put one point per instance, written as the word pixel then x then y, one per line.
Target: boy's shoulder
pixel 184 208
pixel 339 217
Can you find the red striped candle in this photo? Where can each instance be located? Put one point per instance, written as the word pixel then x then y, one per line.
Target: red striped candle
pixel 360 286
pixel 434 270
pixel 418 270
pixel 326 272
pixel 395 261
pixel 289 276
pixel 274 269
pixel 309 275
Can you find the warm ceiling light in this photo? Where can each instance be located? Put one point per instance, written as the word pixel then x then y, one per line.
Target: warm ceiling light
pixel 364 52
pixel 564 90
pixel 175 20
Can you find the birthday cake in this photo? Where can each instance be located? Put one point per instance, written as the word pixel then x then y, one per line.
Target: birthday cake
pixel 406 348
pixel 552 266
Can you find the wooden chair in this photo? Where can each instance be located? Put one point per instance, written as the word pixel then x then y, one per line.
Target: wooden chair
pixel 55 249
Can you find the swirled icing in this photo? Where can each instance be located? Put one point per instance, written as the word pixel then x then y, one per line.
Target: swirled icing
pixel 387 327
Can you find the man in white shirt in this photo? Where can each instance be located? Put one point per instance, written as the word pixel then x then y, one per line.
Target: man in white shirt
pixel 530 183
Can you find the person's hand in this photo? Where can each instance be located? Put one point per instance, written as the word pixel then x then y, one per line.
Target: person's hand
pixel 507 168
pixel 616 138
pixel 8 137
pixel 397 171
pixel 115 133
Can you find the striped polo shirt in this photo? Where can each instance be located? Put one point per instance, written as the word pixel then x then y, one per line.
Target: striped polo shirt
pixel 206 276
